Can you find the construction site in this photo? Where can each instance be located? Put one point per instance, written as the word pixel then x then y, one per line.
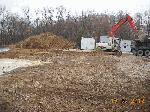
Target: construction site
pixel 46 72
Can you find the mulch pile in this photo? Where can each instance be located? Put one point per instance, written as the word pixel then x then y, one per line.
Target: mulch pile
pixel 45 41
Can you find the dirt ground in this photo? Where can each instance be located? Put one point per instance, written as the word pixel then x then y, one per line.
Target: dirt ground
pixel 76 82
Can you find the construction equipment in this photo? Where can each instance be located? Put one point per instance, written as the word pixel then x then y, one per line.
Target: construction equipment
pixel 113 43
pixel 141 47
pixel 120 23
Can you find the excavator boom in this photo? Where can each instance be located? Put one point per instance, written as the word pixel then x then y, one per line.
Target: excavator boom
pixel 120 23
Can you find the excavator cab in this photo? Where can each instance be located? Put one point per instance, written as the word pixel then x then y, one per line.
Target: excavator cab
pixel 115 46
pixel 109 44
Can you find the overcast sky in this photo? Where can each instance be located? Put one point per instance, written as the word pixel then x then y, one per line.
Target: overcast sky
pixel 131 6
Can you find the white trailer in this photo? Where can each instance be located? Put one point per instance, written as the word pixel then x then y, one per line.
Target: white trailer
pixel 87 43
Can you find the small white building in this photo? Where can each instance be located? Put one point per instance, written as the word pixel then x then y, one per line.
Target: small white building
pixel 125 45
pixel 87 43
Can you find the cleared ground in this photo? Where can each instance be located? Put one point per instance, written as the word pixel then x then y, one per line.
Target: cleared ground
pixel 76 82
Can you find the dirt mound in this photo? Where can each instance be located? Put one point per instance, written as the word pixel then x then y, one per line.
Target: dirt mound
pixel 45 41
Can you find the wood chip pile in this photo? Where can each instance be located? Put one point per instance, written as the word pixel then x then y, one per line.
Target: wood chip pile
pixel 45 41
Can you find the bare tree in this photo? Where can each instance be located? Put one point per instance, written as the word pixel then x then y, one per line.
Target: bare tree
pixel 13 28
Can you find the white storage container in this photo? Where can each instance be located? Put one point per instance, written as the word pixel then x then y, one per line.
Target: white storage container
pixel 125 45
pixel 87 43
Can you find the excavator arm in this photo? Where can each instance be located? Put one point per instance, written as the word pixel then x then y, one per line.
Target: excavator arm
pixel 120 23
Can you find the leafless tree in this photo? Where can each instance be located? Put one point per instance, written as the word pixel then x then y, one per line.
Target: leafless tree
pixel 59 21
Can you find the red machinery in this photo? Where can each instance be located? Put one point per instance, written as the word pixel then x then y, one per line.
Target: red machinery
pixel 113 45
pixel 120 23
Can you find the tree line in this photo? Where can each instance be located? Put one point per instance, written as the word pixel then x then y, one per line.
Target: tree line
pixel 14 28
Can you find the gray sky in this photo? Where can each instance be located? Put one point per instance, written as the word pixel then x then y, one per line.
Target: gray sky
pixel 109 6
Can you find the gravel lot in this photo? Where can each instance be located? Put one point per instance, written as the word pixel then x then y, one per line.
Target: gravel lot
pixel 76 82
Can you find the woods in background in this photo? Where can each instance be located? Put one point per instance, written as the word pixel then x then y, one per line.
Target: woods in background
pixel 14 28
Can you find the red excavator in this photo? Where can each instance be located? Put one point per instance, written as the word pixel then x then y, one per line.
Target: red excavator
pixel 113 45
pixel 120 23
